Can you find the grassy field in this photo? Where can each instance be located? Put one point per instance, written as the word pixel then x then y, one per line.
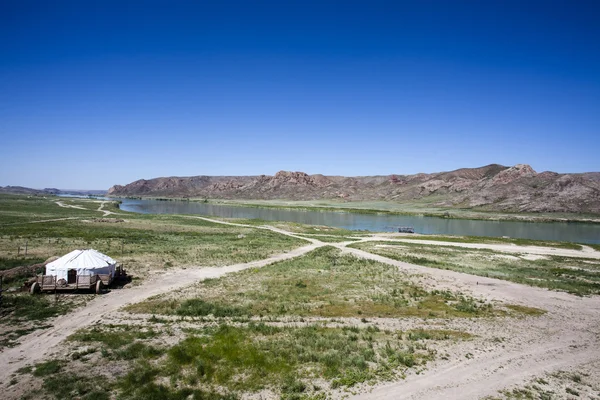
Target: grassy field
pixel 226 362
pixel 17 209
pixel 222 352
pixel 323 283
pixel 574 275
pixel 288 330
pixel 141 242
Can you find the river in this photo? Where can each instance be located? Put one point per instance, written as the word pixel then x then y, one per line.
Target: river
pixel 554 231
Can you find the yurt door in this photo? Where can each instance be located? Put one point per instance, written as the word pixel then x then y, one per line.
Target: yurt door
pixel 71 276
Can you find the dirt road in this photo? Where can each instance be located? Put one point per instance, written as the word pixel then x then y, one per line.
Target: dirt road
pixel 566 337
pixel 105 212
pixel 585 252
pixel 63 205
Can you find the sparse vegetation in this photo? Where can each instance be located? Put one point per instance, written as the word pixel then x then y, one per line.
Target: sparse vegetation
pixel 323 283
pixel 493 240
pixel 524 310
pixel 226 361
pixel 8 263
pixel 24 314
pixel 25 307
pixel 574 275
pixel 556 385
pixel 73 385
pixel 331 239
pixel 47 368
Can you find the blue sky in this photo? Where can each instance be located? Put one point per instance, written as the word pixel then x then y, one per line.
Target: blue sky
pixel 96 93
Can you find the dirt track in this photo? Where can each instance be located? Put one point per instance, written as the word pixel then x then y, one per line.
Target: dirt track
pixel 105 212
pixel 585 252
pixel 567 336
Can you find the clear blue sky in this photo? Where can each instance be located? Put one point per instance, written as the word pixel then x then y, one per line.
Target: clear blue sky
pixel 96 93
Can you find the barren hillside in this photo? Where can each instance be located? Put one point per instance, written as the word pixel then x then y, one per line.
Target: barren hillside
pixel 493 187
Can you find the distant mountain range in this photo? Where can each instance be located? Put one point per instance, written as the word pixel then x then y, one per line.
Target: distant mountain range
pixel 29 191
pixel 493 187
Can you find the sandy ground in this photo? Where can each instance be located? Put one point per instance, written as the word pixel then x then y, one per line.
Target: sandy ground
pixel 585 252
pixel 565 338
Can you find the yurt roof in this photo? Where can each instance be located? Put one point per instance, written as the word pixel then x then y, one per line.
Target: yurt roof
pixel 77 259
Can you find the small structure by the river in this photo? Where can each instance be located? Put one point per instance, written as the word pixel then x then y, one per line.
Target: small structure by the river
pixel 80 269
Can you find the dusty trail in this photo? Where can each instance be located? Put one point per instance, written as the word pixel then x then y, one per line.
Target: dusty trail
pixel 63 205
pixel 567 336
pixel 493 289
pixel 105 212
pixel 41 344
pixel 585 252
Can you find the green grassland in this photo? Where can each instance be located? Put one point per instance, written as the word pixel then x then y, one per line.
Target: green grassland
pixel 142 242
pixel 573 275
pixel 18 209
pixel 226 362
pixel 322 283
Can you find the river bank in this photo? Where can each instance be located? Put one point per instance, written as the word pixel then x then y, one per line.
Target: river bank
pixel 373 220
pixel 389 208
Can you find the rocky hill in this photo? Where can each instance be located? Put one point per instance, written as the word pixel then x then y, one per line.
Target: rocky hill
pixel 493 187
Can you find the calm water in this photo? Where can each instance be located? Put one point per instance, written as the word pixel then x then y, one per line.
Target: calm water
pixel 558 231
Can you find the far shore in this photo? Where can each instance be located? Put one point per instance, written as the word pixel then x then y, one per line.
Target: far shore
pixel 390 208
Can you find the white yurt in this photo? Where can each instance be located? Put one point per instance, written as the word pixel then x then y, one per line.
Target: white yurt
pixel 81 262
